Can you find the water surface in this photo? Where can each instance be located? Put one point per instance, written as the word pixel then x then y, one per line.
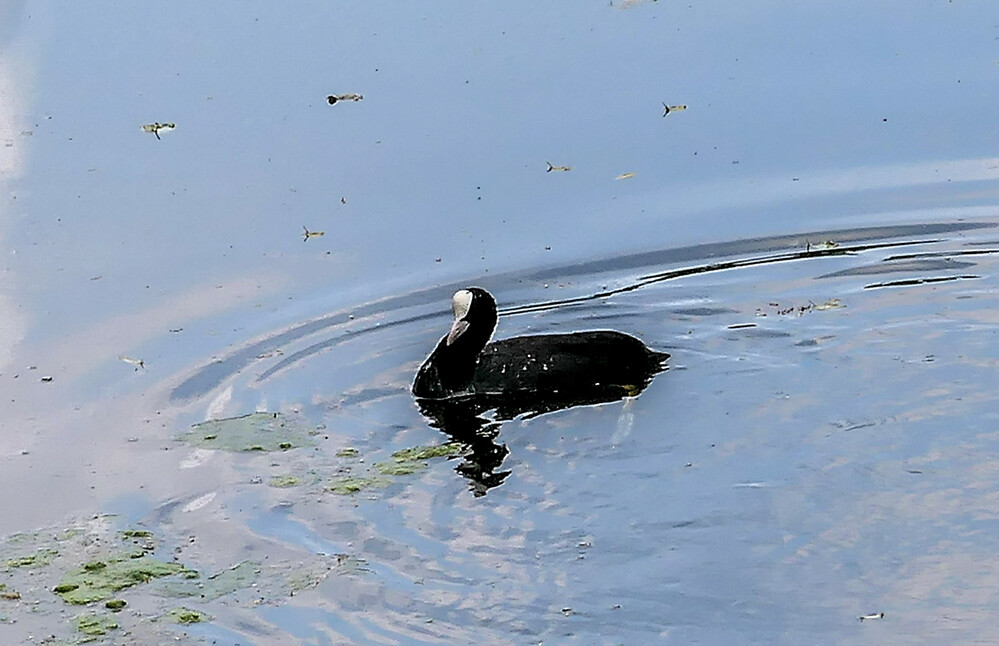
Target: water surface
pixel 813 240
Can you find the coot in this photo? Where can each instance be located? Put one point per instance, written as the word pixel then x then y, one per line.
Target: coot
pixel 581 367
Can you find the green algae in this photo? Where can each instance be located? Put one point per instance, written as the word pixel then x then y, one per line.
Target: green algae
pixel 94 625
pixel 409 461
pixel 40 558
pixel 186 616
pixel 8 594
pixel 347 452
pixel 100 580
pixel 238 577
pixel 404 462
pixel 400 467
pixel 87 565
pixel 253 432
pixel 446 450
pixel 284 482
pixel 348 485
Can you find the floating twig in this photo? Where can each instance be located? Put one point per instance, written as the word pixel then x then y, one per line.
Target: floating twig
pixel 138 363
pixel 334 98
pixel 157 126
pixel 311 234
pixel 672 108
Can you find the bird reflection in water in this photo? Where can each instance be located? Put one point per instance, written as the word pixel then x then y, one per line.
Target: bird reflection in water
pixel 475 421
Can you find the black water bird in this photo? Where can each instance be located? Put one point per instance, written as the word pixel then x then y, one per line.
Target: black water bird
pixel 534 373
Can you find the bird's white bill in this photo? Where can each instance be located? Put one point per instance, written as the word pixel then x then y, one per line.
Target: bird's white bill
pixel 460 303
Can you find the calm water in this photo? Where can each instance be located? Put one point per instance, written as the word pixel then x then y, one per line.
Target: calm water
pixel 814 240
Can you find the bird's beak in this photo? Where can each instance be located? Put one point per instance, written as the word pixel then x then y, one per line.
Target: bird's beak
pixel 457 329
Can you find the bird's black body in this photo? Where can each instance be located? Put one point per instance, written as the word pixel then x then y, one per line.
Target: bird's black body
pixel 581 367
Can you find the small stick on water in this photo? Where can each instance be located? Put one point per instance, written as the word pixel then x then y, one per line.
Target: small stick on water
pixel 558 168
pixel 309 234
pixel 871 617
pixel 672 108
pixel 334 98
pixel 156 127
pixel 138 363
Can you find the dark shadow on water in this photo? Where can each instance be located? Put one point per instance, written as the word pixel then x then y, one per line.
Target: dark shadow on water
pixel 475 421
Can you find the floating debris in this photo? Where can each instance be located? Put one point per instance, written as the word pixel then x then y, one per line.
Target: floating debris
pixel 831 304
pixel 820 246
pixel 561 169
pixel 625 176
pixel 253 432
pixel 446 450
pixel 283 482
pixel 921 281
pixel 672 108
pixel 334 98
pixel 627 4
pixel 400 468
pixel 94 625
pixel 353 484
pixel 138 363
pixel 872 617
pixel 40 558
pixel 311 234
pixel 100 580
pixel 156 127
pixel 186 616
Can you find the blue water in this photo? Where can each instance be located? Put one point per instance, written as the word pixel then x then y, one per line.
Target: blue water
pixel 813 240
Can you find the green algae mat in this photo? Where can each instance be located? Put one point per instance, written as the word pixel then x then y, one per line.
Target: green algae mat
pixel 75 583
pixel 253 432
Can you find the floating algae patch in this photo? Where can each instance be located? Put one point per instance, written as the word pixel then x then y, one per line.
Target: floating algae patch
pixel 347 452
pixel 94 625
pixel 347 485
pixel 447 450
pixel 253 432
pixel 186 616
pixel 40 558
pixel 415 459
pixel 100 580
pixel 272 583
pixel 350 564
pixel 238 577
pixel 400 467
pixel 404 462
pixel 284 482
